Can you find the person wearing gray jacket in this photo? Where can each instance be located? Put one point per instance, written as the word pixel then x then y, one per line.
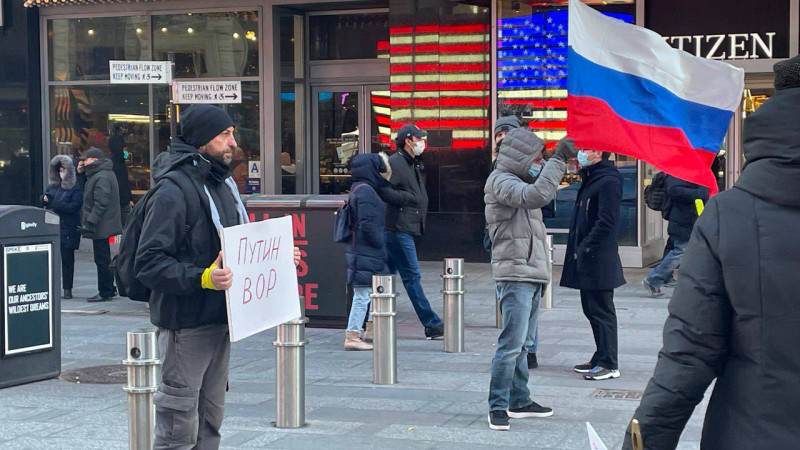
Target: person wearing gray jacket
pixel 101 216
pixel 515 192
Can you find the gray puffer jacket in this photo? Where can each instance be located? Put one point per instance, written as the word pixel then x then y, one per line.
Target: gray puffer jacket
pixel 513 201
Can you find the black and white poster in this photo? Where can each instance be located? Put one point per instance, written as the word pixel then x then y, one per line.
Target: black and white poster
pixel 27 298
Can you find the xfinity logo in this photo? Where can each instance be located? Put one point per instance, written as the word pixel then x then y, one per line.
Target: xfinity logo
pixel 25 226
pixel 726 46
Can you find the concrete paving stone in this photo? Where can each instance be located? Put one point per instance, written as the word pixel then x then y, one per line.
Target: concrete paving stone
pixel 313 426
pixel 235 439
pixel 378 416
pixel 31 428
pixel 56 443
pixel 39 401
pixel 528 434
pixel 345 443
pixel 371 404
pixel 246 398
pixel 102 431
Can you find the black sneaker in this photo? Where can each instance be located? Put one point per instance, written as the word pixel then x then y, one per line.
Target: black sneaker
pixel 434 332
pixel 655 292
pixel 532 410
pixel 532 361
pixel 67 294
pixel 601 373
pixel 498 420
pixel 584 368
pixel 99 298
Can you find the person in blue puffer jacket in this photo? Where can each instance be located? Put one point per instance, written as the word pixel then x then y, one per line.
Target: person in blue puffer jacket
pixel 366 252
pixel 65 198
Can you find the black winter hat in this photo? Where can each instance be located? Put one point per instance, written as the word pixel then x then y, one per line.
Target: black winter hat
pixel 202 123
pixel 787 74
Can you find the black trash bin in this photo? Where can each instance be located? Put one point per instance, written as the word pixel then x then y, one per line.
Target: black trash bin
pixel 30 276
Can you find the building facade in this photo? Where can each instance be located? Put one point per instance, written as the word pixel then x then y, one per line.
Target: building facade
pixel 324 81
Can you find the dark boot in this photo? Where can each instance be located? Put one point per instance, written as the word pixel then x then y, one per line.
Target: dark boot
pixel 532 361
pixel 67 294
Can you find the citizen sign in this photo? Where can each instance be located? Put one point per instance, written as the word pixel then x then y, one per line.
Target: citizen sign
pixel 726 46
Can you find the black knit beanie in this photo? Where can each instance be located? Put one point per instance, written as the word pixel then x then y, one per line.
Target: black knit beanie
pixel 202 123
pixel 787 74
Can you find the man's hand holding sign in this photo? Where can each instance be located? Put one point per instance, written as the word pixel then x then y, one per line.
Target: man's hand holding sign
pixel 258 276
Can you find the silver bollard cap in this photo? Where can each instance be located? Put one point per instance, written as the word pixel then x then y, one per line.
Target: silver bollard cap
pixel 382 284
pixel 142 344
pixel 454 266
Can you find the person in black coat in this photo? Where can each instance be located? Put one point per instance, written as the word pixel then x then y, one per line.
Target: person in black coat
pixel 366 252
pixel 734 316
pixel 65 199
pixel 407 206
pixel 100 217
pixel 118 156
pixel 682 216
pixel 592 261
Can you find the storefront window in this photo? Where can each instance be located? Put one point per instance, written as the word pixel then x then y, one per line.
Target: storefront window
pixel 289 150
pixel 15 161
pixel 114 119
pixel 532 73
pixel 80 49
pixel 208 45
pixel 353 36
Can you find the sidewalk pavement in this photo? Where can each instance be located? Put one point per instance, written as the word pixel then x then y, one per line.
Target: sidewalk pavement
pixel 440 401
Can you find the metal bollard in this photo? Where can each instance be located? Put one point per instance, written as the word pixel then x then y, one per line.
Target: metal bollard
pixel 384 312
pixel 290 375
pixel 143 365
pixel 547 298
pixel 453 298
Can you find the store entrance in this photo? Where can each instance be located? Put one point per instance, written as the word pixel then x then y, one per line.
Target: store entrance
pixel 346 120
pixel 731 160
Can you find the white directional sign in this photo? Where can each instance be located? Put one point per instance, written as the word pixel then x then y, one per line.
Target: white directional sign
pixel 139 72
pixel 213 92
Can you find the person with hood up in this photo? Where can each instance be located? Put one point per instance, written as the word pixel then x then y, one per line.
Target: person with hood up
pixel 592 261
pixel 179 259
pixel 514 194
pixel 734 316
pixel 366 252
pixel 119 155
pixel 65 198
pixel 101 216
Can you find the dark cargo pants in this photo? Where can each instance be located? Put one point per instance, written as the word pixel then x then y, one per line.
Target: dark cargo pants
pixel 190 401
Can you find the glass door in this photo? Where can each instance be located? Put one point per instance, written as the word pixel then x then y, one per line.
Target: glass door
pixel 347 120
pixel 337 123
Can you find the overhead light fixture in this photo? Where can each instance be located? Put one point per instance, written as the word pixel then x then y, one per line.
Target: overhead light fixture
pixel 190 30
pixel 236 35
pixel 515 6
pixel 164 30
pixel 138 31
pixel 91 32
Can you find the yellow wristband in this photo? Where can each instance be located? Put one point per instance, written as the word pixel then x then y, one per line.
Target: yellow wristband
pixel 206 279
pixel 698 203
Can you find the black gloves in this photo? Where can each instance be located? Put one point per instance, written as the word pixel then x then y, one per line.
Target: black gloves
pixel 565 149
pixel 87 230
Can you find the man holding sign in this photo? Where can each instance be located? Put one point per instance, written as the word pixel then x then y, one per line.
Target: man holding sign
pixel 179 259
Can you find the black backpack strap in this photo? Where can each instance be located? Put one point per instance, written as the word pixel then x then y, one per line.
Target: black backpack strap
pixel 190 195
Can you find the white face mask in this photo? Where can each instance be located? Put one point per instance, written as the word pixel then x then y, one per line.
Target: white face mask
pixel 419 147
pixel 62 175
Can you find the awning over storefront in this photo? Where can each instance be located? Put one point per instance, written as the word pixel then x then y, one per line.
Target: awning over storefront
pixel 34 3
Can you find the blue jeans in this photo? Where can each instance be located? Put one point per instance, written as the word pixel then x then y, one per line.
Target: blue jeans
pixel 519 302
pixel 359 308
pixel 664 271
pixel 403 258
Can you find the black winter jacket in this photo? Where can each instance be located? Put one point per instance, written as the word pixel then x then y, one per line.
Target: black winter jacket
pixel 592 261
pixel 366 253
pixel 406 197
pixel 101 200
pixel 683 211
pixel 65 198
pixel 735 315
pixel 174 250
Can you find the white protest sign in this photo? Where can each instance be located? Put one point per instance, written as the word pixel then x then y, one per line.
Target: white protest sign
pixel 264 291
pixel 138 72
pixel 209 92
pixel 595 443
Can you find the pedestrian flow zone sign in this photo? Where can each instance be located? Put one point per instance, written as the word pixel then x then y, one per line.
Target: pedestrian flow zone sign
pixel 139 72
pixel 211 92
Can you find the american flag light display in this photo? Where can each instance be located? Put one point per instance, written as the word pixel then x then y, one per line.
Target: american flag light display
pixel 532 69
pixel 440 80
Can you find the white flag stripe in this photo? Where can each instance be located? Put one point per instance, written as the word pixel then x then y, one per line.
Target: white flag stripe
pixel 638 51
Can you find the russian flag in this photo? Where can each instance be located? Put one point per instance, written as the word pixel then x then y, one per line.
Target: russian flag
pixel 631 93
